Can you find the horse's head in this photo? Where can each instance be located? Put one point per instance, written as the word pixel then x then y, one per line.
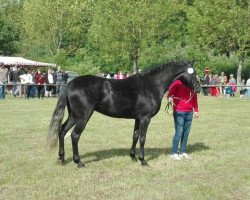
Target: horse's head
pixel 189 78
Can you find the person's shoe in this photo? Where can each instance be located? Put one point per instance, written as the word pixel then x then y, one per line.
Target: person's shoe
pixel 184 155
pixel 175 156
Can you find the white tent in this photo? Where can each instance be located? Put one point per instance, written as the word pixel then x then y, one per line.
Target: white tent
pixel 19 61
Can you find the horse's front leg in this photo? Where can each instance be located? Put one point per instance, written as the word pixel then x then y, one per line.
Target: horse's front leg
pixel 135 140
pixel 143 131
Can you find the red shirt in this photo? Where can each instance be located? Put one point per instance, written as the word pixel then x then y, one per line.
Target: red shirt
pixel 184 98
pixel 39 79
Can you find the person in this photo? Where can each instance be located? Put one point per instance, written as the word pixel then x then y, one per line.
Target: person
pixel 232 83
pixel 29 82
pixel 228 90
pixel 23 78
pixel 3 80
pixel 243 90
pixel 248 88
pixel 65 77
pixel 39 80
pixel 213 89
pixel 48 79
pixel 16 90
pixel 120 76
pixel 185 106
pixel 206 82
pixel 222 80
pixel 59 80
pixel 108 76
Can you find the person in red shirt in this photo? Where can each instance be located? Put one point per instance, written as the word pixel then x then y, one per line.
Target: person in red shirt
pixel 185 106
pixel 39 80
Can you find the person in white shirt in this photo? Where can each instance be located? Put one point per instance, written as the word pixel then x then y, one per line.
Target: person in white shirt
pixel 23 78
pixel 29 82
pixel 48 78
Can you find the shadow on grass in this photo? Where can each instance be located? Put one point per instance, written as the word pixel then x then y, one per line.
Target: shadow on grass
pixel 150 153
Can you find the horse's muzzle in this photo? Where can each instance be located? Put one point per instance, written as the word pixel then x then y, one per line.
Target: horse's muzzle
pixel 197 88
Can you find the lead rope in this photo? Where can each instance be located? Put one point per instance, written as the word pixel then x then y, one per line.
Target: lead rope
pixel 171 103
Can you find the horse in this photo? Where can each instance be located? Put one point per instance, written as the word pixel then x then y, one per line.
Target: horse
pixel 137 97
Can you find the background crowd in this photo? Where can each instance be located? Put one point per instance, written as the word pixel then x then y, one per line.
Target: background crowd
pixel 215 85
pixel 31 82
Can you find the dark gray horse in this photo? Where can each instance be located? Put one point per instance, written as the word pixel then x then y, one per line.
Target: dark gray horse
pixel 137 97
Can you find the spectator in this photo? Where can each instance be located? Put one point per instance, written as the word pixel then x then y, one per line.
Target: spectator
pixel 108 76
pixel 213 89
pixel 120 76
pixel 248 88
pixel 65 77
pixel 59 80
pixel 206 82
pixel 243 90
pixel 222 80
pixel 48 79
pixel 53 91
pixel 29 82
pixel 3 80
pixel 16 90
pixel 23 78
pixel 232 83
pixel 228 90
pixel 39 80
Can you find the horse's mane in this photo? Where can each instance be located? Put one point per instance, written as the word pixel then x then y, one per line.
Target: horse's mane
pixel 155 68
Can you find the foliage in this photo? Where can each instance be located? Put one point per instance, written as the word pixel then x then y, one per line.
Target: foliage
pixel 128 32
pixel 56 24
pixel 220 27
pixel 9 28
pixel 129 35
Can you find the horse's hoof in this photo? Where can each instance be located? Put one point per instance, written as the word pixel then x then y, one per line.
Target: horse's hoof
pixel 60 161
pixel 134 159
pixel 144 163
pixel 80 165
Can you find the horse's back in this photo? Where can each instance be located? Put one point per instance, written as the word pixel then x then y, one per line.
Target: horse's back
pixel 116 98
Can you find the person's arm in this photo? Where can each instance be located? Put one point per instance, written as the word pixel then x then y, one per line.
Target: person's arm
pixel 195 104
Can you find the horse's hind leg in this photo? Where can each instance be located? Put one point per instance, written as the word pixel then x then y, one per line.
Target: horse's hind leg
pixel 68 124
pixel 135 140
pixel 81 123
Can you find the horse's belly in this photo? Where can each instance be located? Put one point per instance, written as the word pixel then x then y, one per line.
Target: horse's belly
pixel 118 110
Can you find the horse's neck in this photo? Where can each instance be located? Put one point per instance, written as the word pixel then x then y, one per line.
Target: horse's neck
pixel 164 77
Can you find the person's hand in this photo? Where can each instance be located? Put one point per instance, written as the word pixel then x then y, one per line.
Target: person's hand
pixel 170 99
pixel 196 114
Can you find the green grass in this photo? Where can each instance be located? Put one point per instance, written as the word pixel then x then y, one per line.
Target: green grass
pixel 219 145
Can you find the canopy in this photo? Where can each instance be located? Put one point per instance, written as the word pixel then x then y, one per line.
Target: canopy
pixel 19 62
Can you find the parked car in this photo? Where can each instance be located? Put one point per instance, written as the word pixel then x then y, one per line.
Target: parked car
pixel 71 75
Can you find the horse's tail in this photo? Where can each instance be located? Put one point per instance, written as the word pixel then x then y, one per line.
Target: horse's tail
pixel 57 119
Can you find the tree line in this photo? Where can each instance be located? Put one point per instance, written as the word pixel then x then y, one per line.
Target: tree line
pixel 91 36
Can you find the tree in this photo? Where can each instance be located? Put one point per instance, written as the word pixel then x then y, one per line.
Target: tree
pixel 55 25
pixel 221 27
pixel 124 31
pixel 9 27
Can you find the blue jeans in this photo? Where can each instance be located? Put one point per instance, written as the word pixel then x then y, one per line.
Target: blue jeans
pixel 182 122
pixel 2 92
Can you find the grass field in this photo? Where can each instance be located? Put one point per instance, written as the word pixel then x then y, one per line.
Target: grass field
pixel 219 145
